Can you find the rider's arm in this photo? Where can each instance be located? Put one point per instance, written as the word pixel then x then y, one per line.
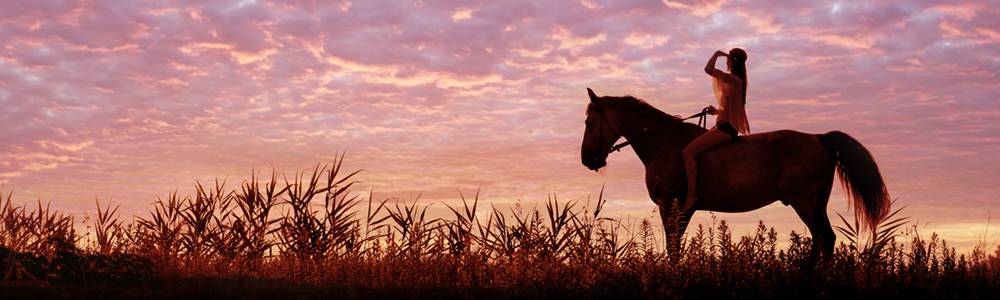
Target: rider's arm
pixel 710 67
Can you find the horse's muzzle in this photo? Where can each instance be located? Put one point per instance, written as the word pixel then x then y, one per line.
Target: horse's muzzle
pixel 594 162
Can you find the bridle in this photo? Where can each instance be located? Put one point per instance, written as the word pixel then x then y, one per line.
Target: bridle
pixel 702 122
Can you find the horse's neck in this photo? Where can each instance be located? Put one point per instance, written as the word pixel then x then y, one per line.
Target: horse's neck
pixel 652 139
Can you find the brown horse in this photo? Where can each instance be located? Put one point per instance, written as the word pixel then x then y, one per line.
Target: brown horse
pixel 749 173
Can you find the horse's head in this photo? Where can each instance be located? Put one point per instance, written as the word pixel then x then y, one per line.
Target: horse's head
pixel 600 136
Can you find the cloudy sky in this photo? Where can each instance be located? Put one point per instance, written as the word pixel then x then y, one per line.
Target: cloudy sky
pixel 128 100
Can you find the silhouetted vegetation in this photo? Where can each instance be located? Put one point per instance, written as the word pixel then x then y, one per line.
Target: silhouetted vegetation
pixel 305 235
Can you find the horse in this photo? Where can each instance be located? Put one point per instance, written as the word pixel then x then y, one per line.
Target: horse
pixel 746 174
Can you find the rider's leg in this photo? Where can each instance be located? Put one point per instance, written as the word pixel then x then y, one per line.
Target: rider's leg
pixel 699 145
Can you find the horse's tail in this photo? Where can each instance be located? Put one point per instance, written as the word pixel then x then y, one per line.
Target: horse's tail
pixel 860 177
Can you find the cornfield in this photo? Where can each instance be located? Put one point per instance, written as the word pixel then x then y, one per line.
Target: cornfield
pixel 306 235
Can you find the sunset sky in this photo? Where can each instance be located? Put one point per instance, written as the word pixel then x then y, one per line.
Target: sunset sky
pixel 129 100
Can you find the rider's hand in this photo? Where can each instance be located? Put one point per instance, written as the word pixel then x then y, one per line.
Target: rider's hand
pixel 712 110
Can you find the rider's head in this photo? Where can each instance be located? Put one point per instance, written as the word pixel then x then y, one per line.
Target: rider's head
pixel 737 61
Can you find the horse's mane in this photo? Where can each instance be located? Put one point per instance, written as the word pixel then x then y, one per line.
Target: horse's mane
pixel 635 105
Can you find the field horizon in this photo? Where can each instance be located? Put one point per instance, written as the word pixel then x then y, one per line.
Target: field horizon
pixel 307 227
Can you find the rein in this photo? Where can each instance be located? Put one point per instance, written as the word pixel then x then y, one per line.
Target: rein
pixel 701 120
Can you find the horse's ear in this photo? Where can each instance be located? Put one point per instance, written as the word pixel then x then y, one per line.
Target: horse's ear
pixel 593 97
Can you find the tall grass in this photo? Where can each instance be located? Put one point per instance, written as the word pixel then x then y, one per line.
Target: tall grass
pixel 309 228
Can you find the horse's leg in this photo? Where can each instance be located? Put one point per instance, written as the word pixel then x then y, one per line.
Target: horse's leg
pixel 674 222
pixel 812 211
pixel 822 219
pixel 805 207
pixel 666 209
pixel 823 235
pixel 682 223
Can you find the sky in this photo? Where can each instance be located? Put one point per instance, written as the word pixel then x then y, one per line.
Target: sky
pixel 125 101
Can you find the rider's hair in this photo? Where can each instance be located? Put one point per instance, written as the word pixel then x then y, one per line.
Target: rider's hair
pixel 739 68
